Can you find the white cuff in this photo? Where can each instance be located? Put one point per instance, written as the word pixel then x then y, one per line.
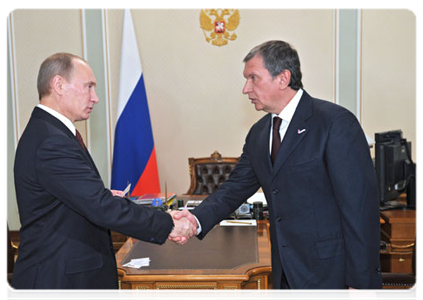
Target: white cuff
pixel 199 226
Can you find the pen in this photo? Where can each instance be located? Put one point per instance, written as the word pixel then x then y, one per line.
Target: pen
pixel 239 222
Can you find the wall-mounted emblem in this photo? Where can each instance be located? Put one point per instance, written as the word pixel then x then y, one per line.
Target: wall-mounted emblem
pixel 219 24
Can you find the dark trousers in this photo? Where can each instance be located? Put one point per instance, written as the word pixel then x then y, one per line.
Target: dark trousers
pixel 285 293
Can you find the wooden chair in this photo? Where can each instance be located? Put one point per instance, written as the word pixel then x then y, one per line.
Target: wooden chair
pixel 208 173
pixel 399 286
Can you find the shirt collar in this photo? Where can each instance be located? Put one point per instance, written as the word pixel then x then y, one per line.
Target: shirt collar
pixel 68 123
pixel 288 112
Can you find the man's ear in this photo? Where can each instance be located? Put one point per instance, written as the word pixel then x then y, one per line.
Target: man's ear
pixel 284 79
pixel 57 84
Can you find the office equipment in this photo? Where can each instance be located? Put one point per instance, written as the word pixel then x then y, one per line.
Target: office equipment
pixel 243 212
pixel 258 210
pixel 395 170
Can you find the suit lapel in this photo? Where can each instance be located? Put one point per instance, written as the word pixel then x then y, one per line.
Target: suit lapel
pixel 263 142
pixel 39 113
pixel 91 161
pixel 297 130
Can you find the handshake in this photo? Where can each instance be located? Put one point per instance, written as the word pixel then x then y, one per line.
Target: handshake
pixel 185 226
pixel 185 223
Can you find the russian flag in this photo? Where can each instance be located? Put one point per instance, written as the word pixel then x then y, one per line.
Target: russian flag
pixel 134 156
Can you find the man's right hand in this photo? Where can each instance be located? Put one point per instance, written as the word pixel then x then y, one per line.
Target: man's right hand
pixel 185 226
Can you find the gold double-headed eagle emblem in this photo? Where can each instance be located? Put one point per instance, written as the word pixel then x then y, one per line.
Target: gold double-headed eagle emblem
pixel 218 25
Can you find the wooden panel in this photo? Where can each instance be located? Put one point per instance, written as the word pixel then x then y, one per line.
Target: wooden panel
pixel 125 291
pixel 230 291
pixel 143 291
pixel 399 232
pixel 192 291
pixel 396 262
pixel 118 240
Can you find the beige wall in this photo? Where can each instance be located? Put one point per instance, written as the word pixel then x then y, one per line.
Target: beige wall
pixel 194 88
pixel 38 34
pixel 389 72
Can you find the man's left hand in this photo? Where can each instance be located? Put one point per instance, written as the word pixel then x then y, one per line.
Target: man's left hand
pixel 117 193
pixel 361 295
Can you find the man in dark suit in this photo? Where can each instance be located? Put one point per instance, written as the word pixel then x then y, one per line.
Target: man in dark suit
pixel 64 208
pixel 319 182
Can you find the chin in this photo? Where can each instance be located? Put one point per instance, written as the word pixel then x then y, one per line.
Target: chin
pixel 258 107
pixel 83 118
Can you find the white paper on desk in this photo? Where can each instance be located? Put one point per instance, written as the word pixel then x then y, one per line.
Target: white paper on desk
pixel 138 263
pixel 249 222
pixel 125 191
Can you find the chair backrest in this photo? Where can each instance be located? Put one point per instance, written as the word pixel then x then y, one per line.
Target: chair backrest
pixel 208 173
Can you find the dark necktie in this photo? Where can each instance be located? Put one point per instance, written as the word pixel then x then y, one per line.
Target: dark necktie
pixel 80 140
pixel 276 140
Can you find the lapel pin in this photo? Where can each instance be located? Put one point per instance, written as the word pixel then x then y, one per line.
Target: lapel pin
pixel 301 131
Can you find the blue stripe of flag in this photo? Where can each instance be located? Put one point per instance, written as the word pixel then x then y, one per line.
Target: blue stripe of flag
pixel 133 140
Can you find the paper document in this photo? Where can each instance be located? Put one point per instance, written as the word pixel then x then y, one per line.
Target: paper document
pixel 127 189
pixel 138 263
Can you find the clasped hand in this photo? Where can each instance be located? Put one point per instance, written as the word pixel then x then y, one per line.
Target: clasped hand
pixel 185 226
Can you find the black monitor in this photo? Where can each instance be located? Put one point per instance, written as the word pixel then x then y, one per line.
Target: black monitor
pixel 395 170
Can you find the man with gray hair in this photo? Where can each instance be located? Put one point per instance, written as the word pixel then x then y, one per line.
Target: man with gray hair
pixel 313 163
pixel 65 210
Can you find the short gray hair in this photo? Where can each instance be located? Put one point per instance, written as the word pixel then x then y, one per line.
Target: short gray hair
pixel 56 64
pixel 277 57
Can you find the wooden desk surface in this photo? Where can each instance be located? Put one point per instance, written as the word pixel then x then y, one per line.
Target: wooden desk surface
pixel 398 216
pixel 234 277
pixel 241 271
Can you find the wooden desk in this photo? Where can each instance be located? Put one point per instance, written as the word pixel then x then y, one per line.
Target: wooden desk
pixel 399 231
pixel 252 275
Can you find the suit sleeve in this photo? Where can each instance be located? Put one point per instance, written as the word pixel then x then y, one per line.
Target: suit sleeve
pixel 64 172
pixel 241 184
pixel 354 182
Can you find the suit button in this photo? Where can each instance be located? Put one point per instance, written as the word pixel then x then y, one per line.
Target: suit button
pixel 278 219
pixel 275 191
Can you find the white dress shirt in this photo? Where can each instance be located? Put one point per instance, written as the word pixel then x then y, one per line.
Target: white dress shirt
pixel 286 115
pixel 68 123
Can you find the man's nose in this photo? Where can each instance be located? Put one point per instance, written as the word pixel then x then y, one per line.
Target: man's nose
pixel 246 88
pixel 94 97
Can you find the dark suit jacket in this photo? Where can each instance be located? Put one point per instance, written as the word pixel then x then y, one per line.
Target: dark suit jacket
pixel 66 213
pixel 321 194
